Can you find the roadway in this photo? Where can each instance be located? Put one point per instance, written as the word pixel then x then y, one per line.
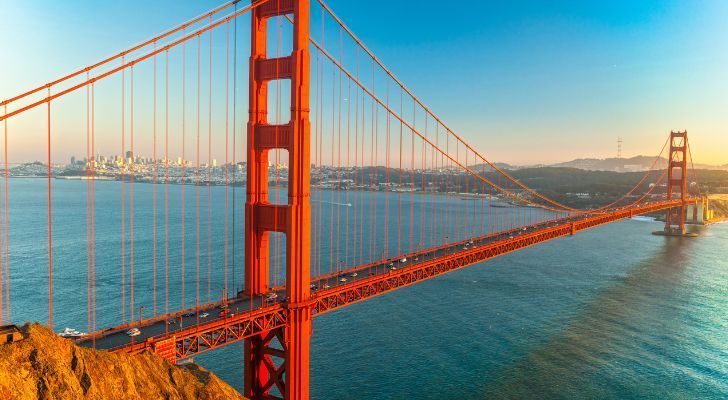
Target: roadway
pixel 167 325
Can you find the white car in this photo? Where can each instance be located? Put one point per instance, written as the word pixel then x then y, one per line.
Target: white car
pixel 342 279
pixel 204 315
pixel 133 332
pixel 353 275
pixel 403 260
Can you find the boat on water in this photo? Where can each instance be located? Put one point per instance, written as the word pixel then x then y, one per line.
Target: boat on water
pixel 71 333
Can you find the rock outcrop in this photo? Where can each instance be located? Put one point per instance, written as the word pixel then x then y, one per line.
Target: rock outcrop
pixel 719 203
pixel 45 366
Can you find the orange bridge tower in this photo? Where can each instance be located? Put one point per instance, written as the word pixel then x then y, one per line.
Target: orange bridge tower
pixel 277 362
pixel 677 178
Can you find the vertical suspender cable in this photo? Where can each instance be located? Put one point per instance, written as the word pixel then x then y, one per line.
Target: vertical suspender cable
pixel 412 179
pixel 93 210
pixel 436 183
pixel 227 167
pixel 209 179
pixel 348 150
pixel 2 246
pixel 183 181
pixel 319 147
pixel 316 250
pixel 154 191
pixel 357 182
pixel 235 104
pixel 123 216
pixel 166 186
pixel 399 195
pixel 88 209
pixel 386 171
pixel 4 277
pixel 359 95
pixel 338 158
pixel 197 189
pixel 316 240
pixel 50 223
pixel 373 172
pixel 332 261
pixel 132 173
pixel 423 205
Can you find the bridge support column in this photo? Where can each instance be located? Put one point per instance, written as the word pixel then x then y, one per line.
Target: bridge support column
pixel 677 178
pixel 277 362
pixel 265 365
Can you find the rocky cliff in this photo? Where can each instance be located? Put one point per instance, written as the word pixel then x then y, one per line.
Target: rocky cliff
pixel 719 203
pixel 45 366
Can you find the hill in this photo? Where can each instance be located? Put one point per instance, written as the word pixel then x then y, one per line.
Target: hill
pixel 45 366
pixel 638 163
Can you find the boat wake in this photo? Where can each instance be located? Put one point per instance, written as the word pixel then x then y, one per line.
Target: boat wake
pixel 332 203
pixel 643 219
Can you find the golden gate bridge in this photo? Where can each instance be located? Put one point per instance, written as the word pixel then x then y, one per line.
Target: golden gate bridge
pixel 321 103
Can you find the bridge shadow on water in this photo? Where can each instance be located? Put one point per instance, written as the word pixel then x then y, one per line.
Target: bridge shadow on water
pixel 618 345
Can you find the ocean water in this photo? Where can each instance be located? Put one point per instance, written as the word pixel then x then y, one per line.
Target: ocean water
pixel 611 313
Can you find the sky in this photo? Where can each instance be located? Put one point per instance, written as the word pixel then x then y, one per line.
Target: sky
pixel 525 82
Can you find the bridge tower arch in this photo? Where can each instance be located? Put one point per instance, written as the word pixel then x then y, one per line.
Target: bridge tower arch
pixel 277 362
pixel 677 179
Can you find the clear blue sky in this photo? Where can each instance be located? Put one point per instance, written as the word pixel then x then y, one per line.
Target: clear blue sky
pixel 525 81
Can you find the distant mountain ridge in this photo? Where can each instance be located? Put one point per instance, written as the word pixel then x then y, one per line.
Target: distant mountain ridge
pixel 632 164
pixel 638 163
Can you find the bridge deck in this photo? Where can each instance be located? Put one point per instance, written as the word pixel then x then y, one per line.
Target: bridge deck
pixel 191 333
